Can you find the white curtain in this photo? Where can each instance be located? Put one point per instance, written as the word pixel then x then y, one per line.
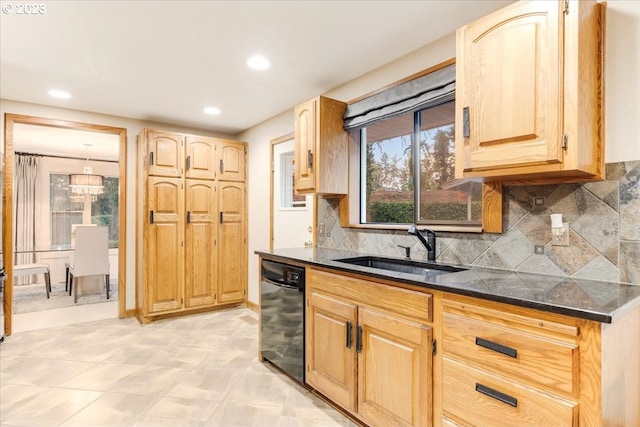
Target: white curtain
pixel 26 174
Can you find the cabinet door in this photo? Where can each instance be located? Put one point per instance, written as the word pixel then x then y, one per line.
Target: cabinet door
pixel 166 154
pixel 200 237
pixel 201 155
pixel 232 276
pixel 509 78
pixel 164 256
pixel 330 348
pixel 232 161
pixel 394 370
pixel 305 139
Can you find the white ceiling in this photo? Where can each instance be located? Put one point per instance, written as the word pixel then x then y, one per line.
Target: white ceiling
pixel 166 60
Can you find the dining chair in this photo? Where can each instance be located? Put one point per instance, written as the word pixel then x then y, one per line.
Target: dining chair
pixel 91 257
pixel 69 262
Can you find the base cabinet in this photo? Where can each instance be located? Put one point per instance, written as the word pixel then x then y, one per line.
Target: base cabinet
pixel 509 366
pixel 373 362
pixel 191 228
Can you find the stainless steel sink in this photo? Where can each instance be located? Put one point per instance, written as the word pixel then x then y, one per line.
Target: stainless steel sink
pixel 401 265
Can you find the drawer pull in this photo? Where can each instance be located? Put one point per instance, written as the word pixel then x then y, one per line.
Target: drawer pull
pixel 504 398
pixel 508 351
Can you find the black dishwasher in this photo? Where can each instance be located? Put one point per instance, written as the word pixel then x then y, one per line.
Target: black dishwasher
pixel 282 317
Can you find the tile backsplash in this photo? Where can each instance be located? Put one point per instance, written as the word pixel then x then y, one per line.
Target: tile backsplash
pixel 604 220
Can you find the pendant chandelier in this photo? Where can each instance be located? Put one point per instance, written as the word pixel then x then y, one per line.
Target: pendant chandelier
pixel 86 183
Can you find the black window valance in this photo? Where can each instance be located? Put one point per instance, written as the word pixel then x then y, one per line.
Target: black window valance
pixel 431 89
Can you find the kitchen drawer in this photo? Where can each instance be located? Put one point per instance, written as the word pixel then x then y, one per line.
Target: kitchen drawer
pixel 521 353
pixel 481 398
pixel 404 302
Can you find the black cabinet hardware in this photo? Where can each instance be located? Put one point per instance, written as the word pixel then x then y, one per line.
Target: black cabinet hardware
pixel 498 395
pixel 221 217
pixel 359 339
pixel 221 166
pixel 151 158
pixel 309 159
pixel 466 125
pixel 508 351
pixel 188 162
pixel 349 339
pixel 188 217
pixel 151 217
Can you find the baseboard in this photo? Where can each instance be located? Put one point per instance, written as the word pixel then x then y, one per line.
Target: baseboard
pixel 253 307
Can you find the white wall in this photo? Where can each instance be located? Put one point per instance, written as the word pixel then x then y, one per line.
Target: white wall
pixel 133 127
pixel 622 106
pixel 259 189
pixel 622 91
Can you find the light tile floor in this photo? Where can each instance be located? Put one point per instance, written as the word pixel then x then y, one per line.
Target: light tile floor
pixel 199 370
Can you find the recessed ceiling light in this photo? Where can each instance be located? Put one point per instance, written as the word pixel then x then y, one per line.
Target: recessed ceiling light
pixel 212 111
pixel 59 94
pixel 258 62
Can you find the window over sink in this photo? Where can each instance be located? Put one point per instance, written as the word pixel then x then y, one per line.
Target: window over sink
pixel 407 165
pixel 402 158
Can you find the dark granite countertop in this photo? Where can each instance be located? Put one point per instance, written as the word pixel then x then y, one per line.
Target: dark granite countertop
pixel 586 299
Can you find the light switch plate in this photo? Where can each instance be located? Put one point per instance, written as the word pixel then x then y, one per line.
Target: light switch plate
pixel 321 229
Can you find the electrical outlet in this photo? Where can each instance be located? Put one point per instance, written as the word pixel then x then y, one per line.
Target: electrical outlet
pixel 564 239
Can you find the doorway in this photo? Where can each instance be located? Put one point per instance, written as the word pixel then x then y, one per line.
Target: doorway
pixel 292 224
pixel 13 124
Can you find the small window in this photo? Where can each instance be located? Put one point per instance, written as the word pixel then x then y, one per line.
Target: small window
pixel 68 209
pixel 287 178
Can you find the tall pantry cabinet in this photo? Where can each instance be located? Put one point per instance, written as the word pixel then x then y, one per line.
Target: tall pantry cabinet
pixel 191 223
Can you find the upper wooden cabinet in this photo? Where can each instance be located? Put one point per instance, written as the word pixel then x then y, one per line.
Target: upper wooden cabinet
pixel 232 160
pixel 165 152
pixel 529 93
pixel 201 155
pixel 321 159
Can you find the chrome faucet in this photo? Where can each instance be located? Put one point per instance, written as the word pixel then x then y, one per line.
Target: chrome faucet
pixel 429 243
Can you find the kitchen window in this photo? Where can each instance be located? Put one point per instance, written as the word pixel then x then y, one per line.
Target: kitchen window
pixel 396 151
pixel 403 160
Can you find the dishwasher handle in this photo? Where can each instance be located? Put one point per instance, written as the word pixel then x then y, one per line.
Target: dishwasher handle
pixel 282 285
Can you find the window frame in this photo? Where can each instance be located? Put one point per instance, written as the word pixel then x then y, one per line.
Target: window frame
pixel 350 204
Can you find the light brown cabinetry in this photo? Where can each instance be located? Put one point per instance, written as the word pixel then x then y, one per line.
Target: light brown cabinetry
pixel 321 158
pixel 508 368
pixel 529 93
pixel 369 348
pixel 187 257
pixel 164 259
pixel 503 365
pixel 232 282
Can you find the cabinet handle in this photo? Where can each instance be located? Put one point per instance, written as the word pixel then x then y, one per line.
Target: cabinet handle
pixel 466 126
pixel 359 339
pixel 498 395
pixel 349 340
pixel 508 351
pixel 221 166
pixel 221 218
pixel 151 158
pixel 188 162
pixel 151 217
pixel 309 159
pixel 188 217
